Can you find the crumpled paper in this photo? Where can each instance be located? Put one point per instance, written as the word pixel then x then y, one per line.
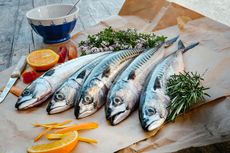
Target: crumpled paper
pixel 158 14
pixel 209 123
pixel 211 57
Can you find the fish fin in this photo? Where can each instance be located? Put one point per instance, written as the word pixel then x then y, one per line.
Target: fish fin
pixel 132 75
pixel 49 73
pixel 170 41
pixel 157 84
pixel 190 47
pixel 81 75
pixel 180 45
pixel 106 72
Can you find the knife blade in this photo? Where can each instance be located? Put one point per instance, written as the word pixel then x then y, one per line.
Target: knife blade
pixel 13 78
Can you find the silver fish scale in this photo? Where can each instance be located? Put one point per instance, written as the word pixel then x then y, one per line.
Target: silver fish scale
pixel 51 81
pixel 140 63
pixel 114 60
pixel 88 67
pixel 154 100
pixel 159 70
pixel 145 58
pixel 165 66
pixel 95 88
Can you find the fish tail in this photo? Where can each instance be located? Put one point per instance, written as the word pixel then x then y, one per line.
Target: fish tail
pixel 171 41
pixel 190 47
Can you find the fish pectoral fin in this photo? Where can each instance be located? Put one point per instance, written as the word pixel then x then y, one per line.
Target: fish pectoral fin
pixel 81 75
pixel 49 73
pixel 157 84
pixel 106 72
pixel 132 75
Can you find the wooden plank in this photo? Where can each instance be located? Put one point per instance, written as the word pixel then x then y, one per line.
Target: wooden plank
pixel 22 36
pixel 9 14
pixel 17 37
pixel 38 39
pixel 54 1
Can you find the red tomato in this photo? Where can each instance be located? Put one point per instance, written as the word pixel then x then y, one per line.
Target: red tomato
pixel 62 54
pixel 29 76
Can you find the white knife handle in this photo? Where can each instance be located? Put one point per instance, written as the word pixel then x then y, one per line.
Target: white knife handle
pixel 19 67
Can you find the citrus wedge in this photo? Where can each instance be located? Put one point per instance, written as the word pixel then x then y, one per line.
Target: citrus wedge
pixel 65 145
pixel 42 59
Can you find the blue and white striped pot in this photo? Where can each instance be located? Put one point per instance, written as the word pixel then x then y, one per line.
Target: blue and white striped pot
pixel 52 22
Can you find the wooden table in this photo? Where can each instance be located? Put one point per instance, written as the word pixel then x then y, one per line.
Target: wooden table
pixel 17 38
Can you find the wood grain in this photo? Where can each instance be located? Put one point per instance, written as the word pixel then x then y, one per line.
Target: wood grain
pixel 16 36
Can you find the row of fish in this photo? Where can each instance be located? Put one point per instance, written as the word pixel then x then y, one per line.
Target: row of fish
pixel 120 80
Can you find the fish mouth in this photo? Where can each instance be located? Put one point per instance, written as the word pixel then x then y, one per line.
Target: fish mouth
pixel 153 125
pixel 28 102
pixel 116 118
pixel 54 109
pixel 79 113
pixel 83 114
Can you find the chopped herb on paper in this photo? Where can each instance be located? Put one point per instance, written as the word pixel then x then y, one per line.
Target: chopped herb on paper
pixel 112 40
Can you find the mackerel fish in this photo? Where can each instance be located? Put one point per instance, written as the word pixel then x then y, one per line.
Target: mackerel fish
pixel 44 86
pixel 124 94
pixel 154 100
pixel 95 88
pixel 69 92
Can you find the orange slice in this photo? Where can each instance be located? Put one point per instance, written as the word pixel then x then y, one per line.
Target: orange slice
pixel 65 145
pixel 42 59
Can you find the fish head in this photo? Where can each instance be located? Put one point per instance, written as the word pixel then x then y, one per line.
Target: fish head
pixel 153 112
pixel 63 98
pixel 92 97
pixel 121 101
pixel 34 94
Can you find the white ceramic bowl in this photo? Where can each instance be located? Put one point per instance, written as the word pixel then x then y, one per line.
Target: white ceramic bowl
pixel 52 22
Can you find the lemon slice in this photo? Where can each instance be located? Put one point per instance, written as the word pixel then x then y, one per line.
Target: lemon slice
pixel 42 59
pixel 65 145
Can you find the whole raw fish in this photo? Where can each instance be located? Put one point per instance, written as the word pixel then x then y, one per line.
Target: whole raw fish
pixel 69 92
pixel 95 87
pixel 124 94
pixel 44 86
pixel 154 100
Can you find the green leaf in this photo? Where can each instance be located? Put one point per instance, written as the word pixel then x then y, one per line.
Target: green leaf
pixel 185 90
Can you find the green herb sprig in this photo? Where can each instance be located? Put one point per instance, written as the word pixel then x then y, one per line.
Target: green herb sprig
pixel 119 40
pixel 184 90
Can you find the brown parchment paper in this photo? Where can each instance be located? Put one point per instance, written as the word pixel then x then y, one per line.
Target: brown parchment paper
pixel 159 14
pixel 207 125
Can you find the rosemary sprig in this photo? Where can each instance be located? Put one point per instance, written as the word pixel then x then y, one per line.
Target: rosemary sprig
pixel 184 90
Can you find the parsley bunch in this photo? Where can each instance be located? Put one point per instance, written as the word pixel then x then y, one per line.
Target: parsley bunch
pixel 109 39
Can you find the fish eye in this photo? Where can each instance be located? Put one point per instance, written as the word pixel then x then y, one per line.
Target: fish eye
pixel 59 96
pixel 117 101
pixel 88 100
pixel 26 92
pixel 150 111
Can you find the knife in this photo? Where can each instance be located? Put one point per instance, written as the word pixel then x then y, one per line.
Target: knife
pixel 13 78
